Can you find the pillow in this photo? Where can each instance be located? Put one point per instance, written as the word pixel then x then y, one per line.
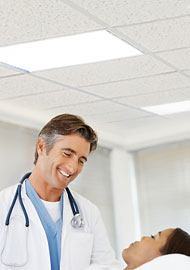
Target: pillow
pixel 170 261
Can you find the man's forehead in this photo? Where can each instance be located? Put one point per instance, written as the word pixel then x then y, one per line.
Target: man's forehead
pixel 74 143
pixel 72 137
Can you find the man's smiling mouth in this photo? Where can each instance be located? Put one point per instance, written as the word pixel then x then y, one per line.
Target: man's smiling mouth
pixel 64 173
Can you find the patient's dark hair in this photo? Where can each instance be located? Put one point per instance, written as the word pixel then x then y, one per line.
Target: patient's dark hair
pixel 177 242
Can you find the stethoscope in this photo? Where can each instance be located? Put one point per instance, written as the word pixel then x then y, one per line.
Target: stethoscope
pixel 76 222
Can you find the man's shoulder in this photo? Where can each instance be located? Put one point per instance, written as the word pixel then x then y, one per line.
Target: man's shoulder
pixel 87 209
pixel 82 199
pixel 86 206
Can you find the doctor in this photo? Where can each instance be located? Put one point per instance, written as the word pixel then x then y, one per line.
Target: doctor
pixel 39 232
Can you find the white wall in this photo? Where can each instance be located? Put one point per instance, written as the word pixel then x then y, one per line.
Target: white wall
pixel 95 184
pixel 17 146
pixel 163 179
pixel 125 201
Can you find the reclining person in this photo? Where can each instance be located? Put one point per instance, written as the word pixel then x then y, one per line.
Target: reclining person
pixel 169 241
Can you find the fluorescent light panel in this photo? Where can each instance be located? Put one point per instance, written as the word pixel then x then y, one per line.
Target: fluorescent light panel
pixel 170 108
pixel 66 51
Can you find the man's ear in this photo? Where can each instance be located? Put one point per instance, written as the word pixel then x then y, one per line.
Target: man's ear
pixel 40 146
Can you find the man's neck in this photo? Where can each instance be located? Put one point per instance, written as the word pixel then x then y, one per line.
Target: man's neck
pixel 44 191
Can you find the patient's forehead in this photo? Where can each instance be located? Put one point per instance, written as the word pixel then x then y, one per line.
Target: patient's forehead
pixel 166 233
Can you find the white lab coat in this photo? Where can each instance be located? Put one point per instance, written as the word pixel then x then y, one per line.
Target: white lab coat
pixel 85 248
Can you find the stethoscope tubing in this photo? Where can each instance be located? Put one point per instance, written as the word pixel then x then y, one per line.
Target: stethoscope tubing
pixel 18 195
pixel 73 204
pixel 11 208
pixel 22 206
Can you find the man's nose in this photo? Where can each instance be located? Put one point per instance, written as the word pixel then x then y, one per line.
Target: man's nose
pixel 71 166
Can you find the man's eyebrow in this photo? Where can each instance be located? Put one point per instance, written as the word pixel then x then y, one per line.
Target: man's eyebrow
pixel 74 152
pixel 69 149
pixel 159 233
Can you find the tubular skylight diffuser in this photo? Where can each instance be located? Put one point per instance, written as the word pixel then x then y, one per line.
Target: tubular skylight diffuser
pixel 66 51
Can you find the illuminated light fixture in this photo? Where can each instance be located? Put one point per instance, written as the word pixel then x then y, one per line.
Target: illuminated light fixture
pixel 169 108
pixel 66 51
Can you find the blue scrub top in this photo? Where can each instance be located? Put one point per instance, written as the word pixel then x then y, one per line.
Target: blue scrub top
pixel 52 230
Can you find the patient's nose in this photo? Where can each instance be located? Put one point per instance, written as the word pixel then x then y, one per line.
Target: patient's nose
pixel 144 237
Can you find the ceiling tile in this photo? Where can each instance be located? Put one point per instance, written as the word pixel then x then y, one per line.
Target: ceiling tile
pixel 114 12
pixel 140 125
pixel 106 71
pixel 112 117
pixel 91 108
pixel 187 72
pixel 24 85
pixel 179 58
pixel 157 98
pixel 53 99
pixel 160 35
pixel 5 71
pixel 23 21
pixel 183 116
pixel 138 86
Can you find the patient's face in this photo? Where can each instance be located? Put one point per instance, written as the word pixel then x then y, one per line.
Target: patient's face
pixel 145 250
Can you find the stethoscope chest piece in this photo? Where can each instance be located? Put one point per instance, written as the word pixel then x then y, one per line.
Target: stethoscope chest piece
pixel 77 221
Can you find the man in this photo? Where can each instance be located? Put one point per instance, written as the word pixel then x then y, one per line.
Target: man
pixel 50 240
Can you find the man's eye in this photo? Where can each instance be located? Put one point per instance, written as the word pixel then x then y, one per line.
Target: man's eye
pixel 66 154
pixel 152 236
pixel 81 162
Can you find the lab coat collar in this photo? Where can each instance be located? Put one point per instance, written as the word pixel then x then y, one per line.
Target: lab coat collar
pixel 67 211
pixel 32 214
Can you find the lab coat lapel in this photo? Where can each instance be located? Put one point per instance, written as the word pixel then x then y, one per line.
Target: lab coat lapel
pixel 37 241
pixel 76 243
pixel 43 243
pixel 67 216
pixel 33 215
pixel 17 210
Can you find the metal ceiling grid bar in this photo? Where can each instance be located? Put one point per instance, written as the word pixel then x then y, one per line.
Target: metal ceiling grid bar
pixel 122 36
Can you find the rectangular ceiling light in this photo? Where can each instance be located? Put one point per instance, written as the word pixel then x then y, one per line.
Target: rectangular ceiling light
pixel 66 51
pixel 170 108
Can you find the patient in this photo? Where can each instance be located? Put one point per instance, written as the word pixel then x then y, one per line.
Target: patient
pixel 165 242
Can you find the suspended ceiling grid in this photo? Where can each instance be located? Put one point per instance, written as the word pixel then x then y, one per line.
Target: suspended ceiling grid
pixel 109 94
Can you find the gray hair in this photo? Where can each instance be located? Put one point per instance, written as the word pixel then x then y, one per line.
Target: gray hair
pixel 66 124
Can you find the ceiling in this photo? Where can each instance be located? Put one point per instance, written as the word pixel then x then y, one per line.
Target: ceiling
pixel 108 94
